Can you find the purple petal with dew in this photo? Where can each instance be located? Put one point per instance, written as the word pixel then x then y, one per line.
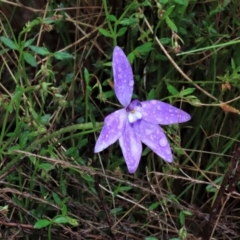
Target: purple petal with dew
pixel 123 77
pixel 113 128
pixel 131 148
pixel 154 137
pixel 157 112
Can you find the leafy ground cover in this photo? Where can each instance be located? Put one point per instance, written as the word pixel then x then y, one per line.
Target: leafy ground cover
pixel 56 88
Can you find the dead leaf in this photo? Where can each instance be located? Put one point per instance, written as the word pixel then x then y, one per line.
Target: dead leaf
pixel 228 108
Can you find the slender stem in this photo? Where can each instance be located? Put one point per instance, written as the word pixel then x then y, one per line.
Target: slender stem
pixel 84 126
pixel 210 47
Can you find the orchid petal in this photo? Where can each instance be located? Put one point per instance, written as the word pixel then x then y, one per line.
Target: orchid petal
pixel 157 112
pixel 131 148
pixel 113 128
pixel 154 137
pixel 123 77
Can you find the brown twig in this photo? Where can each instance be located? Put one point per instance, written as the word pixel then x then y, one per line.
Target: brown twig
pixel 210 228
pixel 12 224
pixel 101 198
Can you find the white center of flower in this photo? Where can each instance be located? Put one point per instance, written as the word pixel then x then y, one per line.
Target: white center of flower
pixel 134 111
pixel 134 116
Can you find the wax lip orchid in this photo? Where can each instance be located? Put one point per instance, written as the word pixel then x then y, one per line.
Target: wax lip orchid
pixel 138 121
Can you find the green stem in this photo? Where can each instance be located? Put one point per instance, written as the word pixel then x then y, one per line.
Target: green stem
pixel 107 14
pixel 84 126
pixel 210 47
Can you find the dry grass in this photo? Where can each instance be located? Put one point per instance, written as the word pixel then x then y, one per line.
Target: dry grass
pixel 106 203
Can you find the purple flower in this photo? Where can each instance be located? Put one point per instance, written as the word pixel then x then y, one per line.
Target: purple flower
pixel 138 121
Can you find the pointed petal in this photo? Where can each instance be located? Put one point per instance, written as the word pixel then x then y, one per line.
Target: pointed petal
pixel 123 77
pixel 113 128
pixel 131 148
pixel 157 112
pixel 153 136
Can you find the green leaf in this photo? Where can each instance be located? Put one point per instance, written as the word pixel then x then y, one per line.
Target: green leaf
pixel 29 58
pixel 33 23
pixel 182 218
pixel 57 199
pixel 72 221
pixel 4 51
pixel 41 223
pixel 107 64
pixel 153 206
pixel 86 75
pixel 169 11
pixel 13 148
pixel 111 18
pixel 146 151
pixel 46 166
pixel 62 55
pixel 233 64
pixel 124 188
pixel 16 98
pixel 186 92
pixel 182 2
pixel 131 57
pixel 151 238
pixel 183 233
pixel 33 113
pixel 40 50
pixel 9 43
pixel 64 209
pixel 116 210
pixel 28 42
pixel 71 151
pixel 48 20
pixel 88 178
pixel 172 90
pixel 121 31
pixel 183 31
pixel 193 100
pixel 121 189
pixel 151 94
pixel 144 49
pixel 165 40
pixel 171 24
pixel 128 21
pixel 45 118
pixel 187 213
pixel 60 220
pixel 107 94
pixel 104 32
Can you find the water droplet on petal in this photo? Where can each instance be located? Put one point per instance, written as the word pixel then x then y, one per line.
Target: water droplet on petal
pixel 168 151
pixel 148 131
pixel 131 83
pixel 163 142
pixel 104 145
pixel 158 108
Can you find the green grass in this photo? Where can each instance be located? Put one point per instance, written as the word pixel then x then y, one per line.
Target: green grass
pixel 56 88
